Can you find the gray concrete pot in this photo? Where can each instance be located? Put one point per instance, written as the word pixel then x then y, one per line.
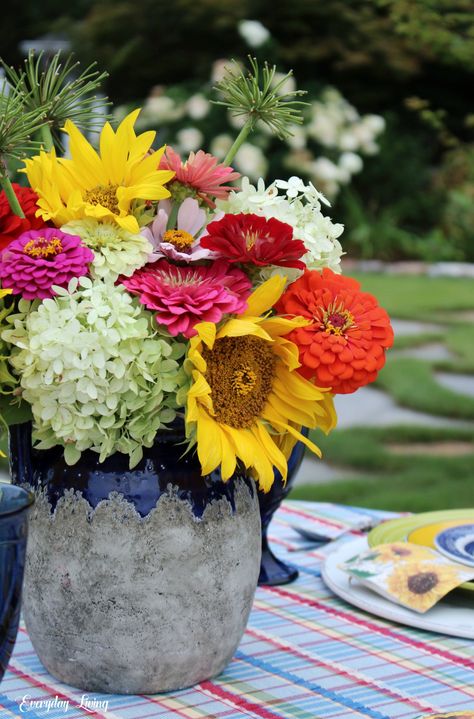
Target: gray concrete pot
pixel 114 602
pixel 122 601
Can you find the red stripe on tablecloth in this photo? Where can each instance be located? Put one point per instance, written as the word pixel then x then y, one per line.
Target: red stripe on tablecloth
pixel 281 542
pixel 314 517
pixel 55 693
pixel 238 701
pixel 342 672
pixel 371 651
pixel 353 619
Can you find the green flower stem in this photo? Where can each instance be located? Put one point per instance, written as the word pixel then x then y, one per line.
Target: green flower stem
pixel 46 137
pixel 10 194
pixel 239 140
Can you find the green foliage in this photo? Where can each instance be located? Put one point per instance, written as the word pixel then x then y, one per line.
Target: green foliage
pixel 413 62
pixel 418 297
pixel 415 483
pixel 411 384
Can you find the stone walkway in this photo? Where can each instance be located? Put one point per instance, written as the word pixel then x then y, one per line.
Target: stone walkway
pixel 371 407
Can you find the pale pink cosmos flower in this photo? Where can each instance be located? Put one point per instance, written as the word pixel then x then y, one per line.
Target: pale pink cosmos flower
pixel 202 172
pixel 183 243
pixel 184 296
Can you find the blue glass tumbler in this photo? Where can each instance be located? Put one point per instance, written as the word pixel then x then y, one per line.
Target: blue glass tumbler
pixel 14 504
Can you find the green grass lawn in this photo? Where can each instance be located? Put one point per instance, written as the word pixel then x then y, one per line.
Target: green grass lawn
pixel 395 481
pixel 423 481
pixel 411 383
pixel 419 297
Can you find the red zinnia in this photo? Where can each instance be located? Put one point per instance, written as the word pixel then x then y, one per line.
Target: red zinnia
pixel 12 226
pixel 344 345
pixel 253 239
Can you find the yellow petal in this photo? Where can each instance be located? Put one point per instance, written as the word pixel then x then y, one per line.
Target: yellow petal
pixel 113 155
pixel 208 443
pixel 271 450
pixel 85 156
pixel 264 297
pixel 276 326
pixel 128 223
pixel 239 327
pixel 207 333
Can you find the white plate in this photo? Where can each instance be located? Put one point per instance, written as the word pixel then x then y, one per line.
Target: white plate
pixel 453 615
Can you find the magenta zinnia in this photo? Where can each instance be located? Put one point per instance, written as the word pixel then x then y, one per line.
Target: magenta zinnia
pixel 39 259
pixel 202 173
pixel 185 296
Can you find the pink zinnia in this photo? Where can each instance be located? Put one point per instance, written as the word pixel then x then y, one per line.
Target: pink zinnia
pixel 202 172
pixel 39 259
pixel 185 296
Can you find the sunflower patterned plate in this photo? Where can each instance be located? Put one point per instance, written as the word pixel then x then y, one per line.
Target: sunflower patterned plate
pixel 452 616
pixel 421 529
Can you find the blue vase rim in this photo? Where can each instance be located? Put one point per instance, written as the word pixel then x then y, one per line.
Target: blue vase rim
pixel 14 499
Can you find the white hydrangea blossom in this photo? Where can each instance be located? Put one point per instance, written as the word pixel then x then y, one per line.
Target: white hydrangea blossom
pixel 94 370
pixel 253 32
pixel 117 252
pixel 300 207
pixel 250 160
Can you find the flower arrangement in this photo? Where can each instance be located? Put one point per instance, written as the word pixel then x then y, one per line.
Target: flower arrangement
pixel 146 286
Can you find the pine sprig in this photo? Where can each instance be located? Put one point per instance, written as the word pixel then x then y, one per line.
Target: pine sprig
pixel 61 93
pixel 17 126
pixel 255 95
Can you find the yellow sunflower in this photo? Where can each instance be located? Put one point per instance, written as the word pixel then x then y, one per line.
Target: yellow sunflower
pixel 396 551
pixel 99 186
pixel 419 585
pixel 246 398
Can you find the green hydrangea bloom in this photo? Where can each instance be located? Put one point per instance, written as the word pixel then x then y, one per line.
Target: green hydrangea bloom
pixel 93 368
pixel 117 252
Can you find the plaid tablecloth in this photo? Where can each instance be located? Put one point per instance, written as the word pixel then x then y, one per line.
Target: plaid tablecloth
pixel 306 655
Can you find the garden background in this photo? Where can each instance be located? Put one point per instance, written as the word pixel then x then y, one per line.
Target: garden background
pixel 388 136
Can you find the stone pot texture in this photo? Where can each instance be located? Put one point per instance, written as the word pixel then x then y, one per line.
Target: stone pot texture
pixel 137 581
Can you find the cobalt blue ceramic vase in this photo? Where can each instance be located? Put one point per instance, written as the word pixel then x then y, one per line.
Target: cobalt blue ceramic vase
pixel 14 505
pixel 274 571
pixel 137 581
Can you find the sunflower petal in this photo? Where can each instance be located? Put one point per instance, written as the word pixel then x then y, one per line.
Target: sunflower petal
pixel 209 446
pixel 264 297
pixel 84 155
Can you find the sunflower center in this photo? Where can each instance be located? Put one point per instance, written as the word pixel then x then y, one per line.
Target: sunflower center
pixel 422 583
pixel 336 320
pixel 243 380
pixel 104 195
pixel 240 372
pixel 181 239
pixel 43 247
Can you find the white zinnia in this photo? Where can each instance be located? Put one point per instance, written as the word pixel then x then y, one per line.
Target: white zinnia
pixel 116 251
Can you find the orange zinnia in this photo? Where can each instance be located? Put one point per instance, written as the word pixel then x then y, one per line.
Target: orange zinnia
pixel 343 346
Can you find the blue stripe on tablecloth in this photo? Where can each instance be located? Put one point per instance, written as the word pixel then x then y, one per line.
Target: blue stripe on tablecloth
pixel 312 686
pixel 13 707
